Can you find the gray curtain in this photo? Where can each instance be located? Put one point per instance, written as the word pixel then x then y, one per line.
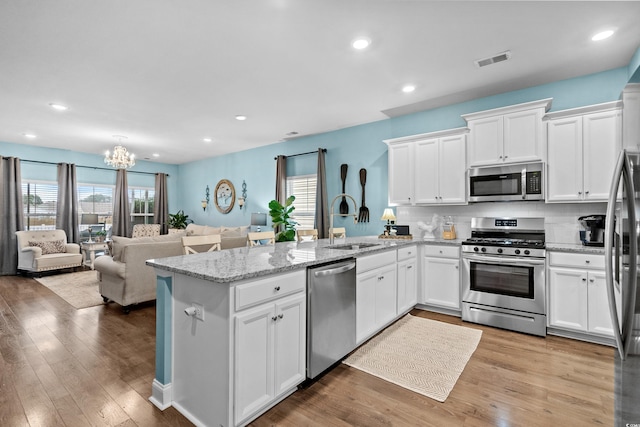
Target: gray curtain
pixel 281 179
pixel 161 203
pixel 322 210
pixel 11 211
pixel 121 212
pixel 67 204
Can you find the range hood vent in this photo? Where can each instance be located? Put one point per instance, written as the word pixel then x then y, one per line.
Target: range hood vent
pixel 493 60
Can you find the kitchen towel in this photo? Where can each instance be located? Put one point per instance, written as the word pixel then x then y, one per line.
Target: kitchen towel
pixel 419 354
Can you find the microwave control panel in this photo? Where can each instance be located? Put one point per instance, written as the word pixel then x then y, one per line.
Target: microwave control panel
pixel 534 182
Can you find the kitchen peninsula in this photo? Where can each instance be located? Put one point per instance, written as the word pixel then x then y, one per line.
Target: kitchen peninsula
pixel 231 335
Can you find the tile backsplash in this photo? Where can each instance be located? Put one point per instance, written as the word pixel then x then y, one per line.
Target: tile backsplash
pixel 561 219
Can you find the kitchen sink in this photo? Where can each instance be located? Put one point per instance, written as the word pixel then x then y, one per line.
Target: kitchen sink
pixel 352 246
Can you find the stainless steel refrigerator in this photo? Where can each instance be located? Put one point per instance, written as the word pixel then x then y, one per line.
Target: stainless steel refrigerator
pixel 622 231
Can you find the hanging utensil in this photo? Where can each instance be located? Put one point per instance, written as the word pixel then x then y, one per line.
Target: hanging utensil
pixel 363 214
pixel 344 206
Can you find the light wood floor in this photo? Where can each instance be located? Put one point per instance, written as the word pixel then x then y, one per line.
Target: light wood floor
pixel 62 366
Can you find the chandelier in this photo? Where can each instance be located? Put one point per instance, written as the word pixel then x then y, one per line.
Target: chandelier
pixel 121 158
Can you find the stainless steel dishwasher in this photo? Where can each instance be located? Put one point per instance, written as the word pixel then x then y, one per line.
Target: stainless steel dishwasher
pixel 331 314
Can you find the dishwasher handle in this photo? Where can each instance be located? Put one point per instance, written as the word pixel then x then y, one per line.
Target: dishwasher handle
pixel 337 270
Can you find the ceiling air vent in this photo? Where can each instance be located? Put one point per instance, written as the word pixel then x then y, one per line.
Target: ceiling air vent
pixel 493 60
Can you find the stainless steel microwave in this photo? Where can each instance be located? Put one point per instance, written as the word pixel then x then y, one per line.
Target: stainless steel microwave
pixel 509 182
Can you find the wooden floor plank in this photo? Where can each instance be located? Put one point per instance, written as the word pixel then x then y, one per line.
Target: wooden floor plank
pixel 95 366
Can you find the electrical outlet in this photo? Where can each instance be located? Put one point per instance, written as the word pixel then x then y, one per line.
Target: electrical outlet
pixel 199 311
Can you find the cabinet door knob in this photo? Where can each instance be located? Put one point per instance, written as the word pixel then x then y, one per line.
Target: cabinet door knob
pixel 280 316
pixel 586 192
pixel 456 267
pixel 499 157
pixel 274 318
pixel 587 261
pixel 277 288
pixel 579 193
pixel 584 279
pixel 409 267
pixel 592 280
pixel 506 157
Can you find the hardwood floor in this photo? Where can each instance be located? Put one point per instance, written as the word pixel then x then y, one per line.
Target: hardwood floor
pixel 65 367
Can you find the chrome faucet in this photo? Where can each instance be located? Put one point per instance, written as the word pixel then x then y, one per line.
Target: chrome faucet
pixel 354 214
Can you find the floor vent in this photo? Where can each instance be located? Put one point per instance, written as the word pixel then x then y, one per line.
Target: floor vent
pixel 493 60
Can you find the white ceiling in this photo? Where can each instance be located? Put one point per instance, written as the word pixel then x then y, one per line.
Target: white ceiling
pixel 167 73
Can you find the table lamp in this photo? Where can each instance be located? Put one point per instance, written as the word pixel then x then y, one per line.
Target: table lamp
pixel 259 220
pixel 89 219
pixel 390 217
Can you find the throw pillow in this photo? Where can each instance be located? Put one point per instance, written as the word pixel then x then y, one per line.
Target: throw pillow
pixel 50 246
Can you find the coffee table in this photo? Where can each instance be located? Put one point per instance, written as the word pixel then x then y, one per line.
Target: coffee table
pixel 91 248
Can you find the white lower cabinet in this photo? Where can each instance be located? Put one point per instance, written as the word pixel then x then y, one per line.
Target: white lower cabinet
pixel 441 277
pixel 578 298
pixel 270 353
pixel 376 293
pixel 407 279
pixel 246 353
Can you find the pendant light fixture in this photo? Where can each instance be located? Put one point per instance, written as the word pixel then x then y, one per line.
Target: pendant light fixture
pixel 121 158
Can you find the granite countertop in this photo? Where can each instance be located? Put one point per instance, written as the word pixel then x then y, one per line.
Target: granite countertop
pixel 575 248
pixel 232 265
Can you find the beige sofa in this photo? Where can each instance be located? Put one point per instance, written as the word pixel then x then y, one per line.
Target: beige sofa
pixel 46 250
pixel 124 276
pixel 231 237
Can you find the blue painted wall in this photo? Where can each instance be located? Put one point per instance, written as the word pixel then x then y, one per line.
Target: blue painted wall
pixel 362 147
pixel 358 146
pixel 45 172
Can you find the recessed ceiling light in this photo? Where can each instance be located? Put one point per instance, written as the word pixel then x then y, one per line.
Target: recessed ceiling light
pixel 58 107
pixel 29 135
pixel 408 88
pixel 361 43
pixel 240 117
pixel 156 155
pixel 602 35
pixel 207 139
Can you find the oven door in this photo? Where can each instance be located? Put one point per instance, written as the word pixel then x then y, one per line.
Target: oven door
pixel 507 282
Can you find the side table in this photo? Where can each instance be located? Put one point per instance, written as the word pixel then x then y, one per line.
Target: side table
pixel 91 248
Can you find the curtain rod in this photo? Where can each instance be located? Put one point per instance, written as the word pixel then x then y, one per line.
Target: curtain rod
pixel 324 150
pixel 87 167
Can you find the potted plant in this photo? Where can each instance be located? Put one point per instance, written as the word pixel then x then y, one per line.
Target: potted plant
pixel 178 221
pixel 281 219
pixel 100 236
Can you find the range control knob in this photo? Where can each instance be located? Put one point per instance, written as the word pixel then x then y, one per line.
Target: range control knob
pixel 499 250
pixel 475 249
pixel 526 252
pixel 484 249
pixel 517 251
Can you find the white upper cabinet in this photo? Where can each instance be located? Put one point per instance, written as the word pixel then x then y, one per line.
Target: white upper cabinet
pixel 428 169
pixel 583 145
pixel 511 134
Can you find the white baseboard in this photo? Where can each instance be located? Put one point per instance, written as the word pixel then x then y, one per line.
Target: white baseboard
pixel 160 395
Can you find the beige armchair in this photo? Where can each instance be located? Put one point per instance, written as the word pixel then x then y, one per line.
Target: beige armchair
pixel 45 250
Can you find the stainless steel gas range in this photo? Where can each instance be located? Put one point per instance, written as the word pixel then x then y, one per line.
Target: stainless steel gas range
pixel 503 278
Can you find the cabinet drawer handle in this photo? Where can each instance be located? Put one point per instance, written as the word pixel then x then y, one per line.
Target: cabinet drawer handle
pixel 587 261
pixel 409 267
pixel 277 288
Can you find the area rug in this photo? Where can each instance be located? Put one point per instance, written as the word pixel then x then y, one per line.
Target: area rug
pixel 78 289
pixel 419 354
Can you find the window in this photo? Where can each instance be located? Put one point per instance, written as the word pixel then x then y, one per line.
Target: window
pixel 39 201
pixel 303 187
pixel 141 204
pixel 96 200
